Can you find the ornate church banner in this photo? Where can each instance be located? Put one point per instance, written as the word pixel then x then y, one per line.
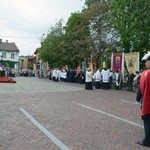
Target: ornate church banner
pixel 117 61
pixel 132 62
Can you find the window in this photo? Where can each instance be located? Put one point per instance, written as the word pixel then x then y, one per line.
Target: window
pixel 12 55
pixel 4 54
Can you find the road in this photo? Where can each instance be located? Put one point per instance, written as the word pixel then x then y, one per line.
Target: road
pixel 40 114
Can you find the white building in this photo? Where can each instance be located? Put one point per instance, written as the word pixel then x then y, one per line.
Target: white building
pixel 9 54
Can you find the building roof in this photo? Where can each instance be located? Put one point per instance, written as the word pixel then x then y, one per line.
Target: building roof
pixel 30 57
pixel 8 46
pixel 37 50
pixel 27 57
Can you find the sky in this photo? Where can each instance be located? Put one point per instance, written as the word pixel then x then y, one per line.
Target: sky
pixel 25 21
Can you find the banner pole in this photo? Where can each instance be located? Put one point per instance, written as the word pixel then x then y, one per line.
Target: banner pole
pixel 112 61
pixel 122 66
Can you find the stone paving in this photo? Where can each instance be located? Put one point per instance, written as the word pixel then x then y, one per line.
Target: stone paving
pixel 79 119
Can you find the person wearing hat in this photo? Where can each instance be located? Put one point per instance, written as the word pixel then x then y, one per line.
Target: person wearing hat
pixel 145 109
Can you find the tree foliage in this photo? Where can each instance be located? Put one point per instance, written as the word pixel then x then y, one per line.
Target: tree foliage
pixel 50 50
pixel 77 39
pixel 101 28
pixel 131 20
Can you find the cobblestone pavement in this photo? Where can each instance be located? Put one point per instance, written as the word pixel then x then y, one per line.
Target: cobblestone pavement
pixel 39 114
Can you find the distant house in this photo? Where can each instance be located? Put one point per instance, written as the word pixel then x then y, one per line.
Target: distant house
pixel 9 54
pixel 39 64
pixel 26 62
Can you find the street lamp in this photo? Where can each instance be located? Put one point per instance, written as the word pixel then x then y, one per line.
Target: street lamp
pixel 40 61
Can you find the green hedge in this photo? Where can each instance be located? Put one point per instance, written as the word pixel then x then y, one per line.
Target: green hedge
pixel 8 64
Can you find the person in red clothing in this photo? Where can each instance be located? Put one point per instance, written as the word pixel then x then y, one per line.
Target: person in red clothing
pixel 145 109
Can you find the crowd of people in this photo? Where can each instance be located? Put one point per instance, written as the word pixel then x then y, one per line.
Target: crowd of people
pixel 7 72
pixel 100 78
pixel 107 79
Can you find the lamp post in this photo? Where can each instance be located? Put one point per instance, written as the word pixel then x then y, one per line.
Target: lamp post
pixel 40 61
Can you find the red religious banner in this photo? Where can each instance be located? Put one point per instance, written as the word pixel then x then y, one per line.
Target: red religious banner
pixel 116 61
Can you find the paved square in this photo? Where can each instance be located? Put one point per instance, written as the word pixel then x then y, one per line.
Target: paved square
pixel 39 114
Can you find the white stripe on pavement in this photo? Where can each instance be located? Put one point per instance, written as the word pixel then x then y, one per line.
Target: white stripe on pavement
pixel 129 102
pixel 45 131
pixel 113 116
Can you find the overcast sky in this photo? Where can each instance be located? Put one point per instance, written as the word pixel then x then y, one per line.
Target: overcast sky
pixel 25 21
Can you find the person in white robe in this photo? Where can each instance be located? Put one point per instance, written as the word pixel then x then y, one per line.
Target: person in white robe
pixel 105 78
pixel 89 80
pixel 97 79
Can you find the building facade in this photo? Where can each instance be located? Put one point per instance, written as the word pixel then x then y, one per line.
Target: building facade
pixel 26 62
pixel 9 54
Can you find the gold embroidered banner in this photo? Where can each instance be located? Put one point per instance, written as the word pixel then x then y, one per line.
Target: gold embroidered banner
pixel 132 62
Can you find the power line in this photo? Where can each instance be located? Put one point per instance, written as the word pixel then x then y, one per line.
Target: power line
pixel 20 37
pixel 28 44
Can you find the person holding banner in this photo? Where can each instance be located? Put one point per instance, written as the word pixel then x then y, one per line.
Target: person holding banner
pixel 145 109
pixel 118 78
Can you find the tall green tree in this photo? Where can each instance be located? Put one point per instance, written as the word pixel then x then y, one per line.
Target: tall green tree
pixel 51 50
pixel 77 39
pixel 141 27
pixel 131 20
pixel 101 30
